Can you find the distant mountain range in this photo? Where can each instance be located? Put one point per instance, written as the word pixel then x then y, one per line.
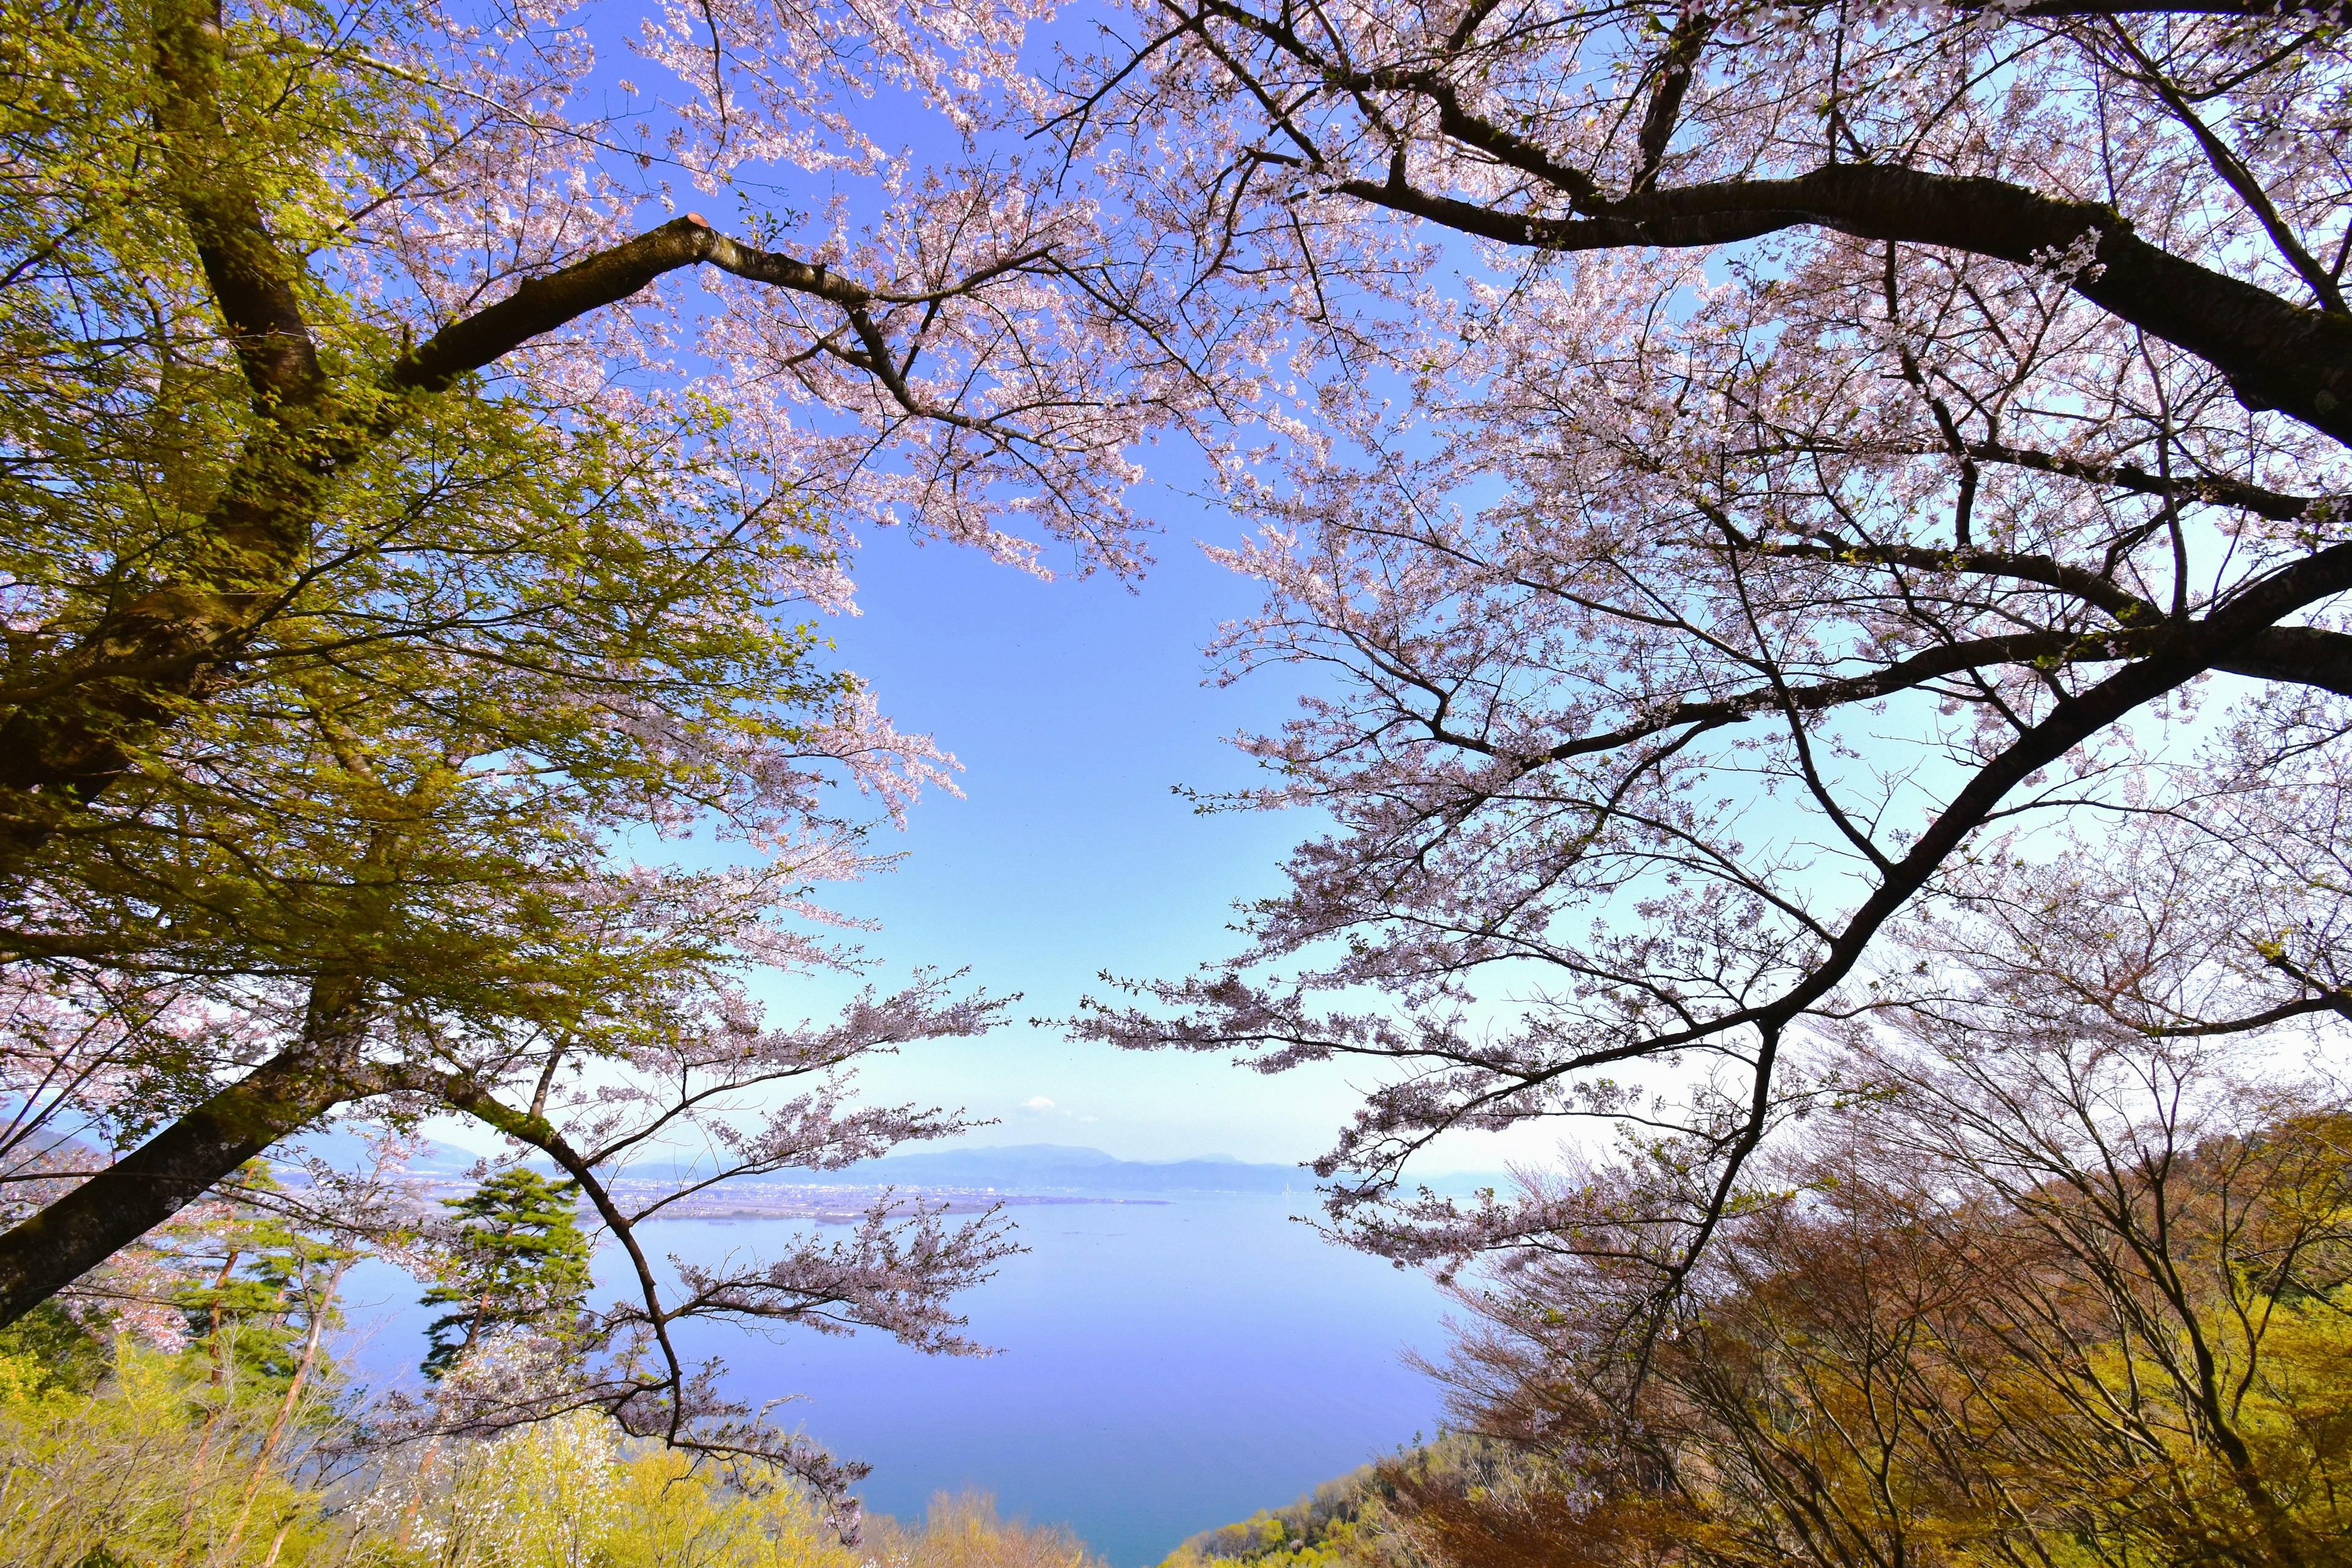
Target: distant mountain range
pixel 1006 1168
pixel 1055 1167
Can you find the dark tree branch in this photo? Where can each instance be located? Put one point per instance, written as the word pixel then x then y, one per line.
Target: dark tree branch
pixel 2305 656
pixel 2127 608
pixel 2256 10
pixel 538 1132
pixel 129 677
pixel 2276 354
pixel 1902 675
pixel 253 282
pixel 2212 488
pixel 2237 177
pixel 114 1208
pixel 1505 146
pixel 1674 76
pixel 2330 1002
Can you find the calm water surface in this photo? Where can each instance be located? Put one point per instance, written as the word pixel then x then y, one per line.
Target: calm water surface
pixel 1163 1368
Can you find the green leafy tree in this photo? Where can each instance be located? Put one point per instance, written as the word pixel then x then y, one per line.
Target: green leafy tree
pixel 376 592
pixel 253 1286
pixel 517 1260
pixel 48 1351
pixel 382 602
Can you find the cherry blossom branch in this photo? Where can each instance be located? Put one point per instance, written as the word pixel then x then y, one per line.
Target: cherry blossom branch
pixel 897 1273
pixel 2276 354
pixel 2216 489
pixel 2235 174
pixel 110 1209
pixel 2258 10
pixel 68 734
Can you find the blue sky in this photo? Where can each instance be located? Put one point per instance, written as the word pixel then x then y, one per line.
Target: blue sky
pixel 1075 705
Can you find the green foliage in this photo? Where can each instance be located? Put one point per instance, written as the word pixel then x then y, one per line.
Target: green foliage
pixel 507 624
pixel 50 1351
pixel 246 1283
pixel 139 1473
pixel 1357 1521
pixel 1325 1528
pixel 518 1260
pixel 144 1472
pixel 567 1493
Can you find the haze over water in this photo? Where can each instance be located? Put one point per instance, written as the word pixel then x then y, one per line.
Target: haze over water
pixel 1165 1367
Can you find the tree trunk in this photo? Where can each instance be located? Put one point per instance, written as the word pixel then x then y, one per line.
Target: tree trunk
pixel 118 1205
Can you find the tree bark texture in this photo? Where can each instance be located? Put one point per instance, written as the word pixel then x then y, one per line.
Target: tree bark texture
pixel 116 1206
pixel 2276 354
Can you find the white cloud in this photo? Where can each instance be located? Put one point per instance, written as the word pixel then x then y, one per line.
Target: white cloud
pixel 1037 1102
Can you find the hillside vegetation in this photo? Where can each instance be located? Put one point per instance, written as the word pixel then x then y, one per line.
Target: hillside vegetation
pixel 1942 1342
pixel 136 1459
pixel 1369 1518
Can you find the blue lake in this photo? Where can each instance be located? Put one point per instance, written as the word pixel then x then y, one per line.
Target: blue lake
pixel 1165 1367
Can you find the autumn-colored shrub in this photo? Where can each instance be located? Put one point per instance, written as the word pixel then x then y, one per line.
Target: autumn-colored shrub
pixel 1960 1330
pixel 964 1530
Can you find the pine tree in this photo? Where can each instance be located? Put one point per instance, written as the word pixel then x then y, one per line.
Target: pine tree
pixel 519 1259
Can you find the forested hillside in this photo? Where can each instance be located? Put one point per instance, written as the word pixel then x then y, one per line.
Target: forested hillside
pixel 1366 1518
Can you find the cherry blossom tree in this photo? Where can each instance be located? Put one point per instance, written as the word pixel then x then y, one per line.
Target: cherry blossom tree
pixel 1775 469
pixel 415 519
pixel 1740 468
